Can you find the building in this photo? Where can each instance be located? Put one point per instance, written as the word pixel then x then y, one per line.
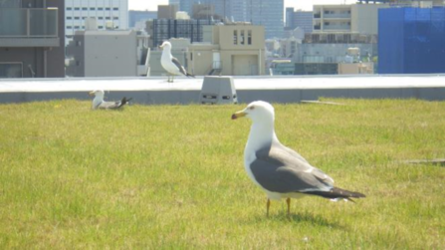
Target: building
pixel 234 49
pixel 354 18
pixel 99 53
pixel 167 11
pixel 411 40
pixel 161 30
pixel 204 11
pixel 333 48
pixel 268 13
pixel 136 16
pixel 299 19
pixel 32 38
pixel 108 14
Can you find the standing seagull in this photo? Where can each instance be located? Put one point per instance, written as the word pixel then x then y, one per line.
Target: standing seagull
pixel 277 169
pixel 171 64
pixel 99 103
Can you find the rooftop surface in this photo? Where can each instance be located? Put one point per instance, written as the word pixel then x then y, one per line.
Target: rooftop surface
pixel 241 83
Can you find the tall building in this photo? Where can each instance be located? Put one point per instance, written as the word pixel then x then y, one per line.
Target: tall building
pixel 138 16
pixel 108 14
pixel 411 40
pixel 354 18
pixel 299 19
pixel 161 30
pixel 167 11
pixel 32 38
pixel 268 13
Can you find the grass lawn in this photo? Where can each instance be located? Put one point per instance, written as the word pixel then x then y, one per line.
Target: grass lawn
pixel 173 177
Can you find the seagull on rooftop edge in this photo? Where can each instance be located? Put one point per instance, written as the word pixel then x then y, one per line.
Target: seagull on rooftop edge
pixel 170 63
pixel 278 170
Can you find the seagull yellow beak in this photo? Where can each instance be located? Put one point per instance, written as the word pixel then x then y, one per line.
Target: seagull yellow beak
pixel 239 114
pixel 161 47
pixel 91 93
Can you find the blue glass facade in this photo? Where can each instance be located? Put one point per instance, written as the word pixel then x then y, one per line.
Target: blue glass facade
pixel 411 40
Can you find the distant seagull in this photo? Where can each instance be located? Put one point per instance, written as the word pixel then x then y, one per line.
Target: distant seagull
pixel 171 64
pixel 99 103
pixel 277 169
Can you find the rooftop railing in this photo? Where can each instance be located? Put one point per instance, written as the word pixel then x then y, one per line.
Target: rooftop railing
pixel 28 23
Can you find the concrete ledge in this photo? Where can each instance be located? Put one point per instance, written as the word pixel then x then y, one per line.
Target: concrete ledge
pixel 185 91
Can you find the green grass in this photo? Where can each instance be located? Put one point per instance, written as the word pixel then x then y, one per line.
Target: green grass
pixel 173 177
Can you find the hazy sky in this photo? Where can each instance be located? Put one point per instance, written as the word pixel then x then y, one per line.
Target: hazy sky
pixel 298 4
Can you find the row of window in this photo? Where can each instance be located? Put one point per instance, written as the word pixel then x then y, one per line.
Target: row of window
pixel 83 27
pixel 100 18
pixel 241 39
pixel 91 8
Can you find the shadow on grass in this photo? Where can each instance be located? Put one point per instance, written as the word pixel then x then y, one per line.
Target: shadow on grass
pixel 302 218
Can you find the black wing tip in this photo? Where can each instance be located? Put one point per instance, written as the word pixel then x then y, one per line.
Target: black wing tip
pixel 190 75
pixel 337 193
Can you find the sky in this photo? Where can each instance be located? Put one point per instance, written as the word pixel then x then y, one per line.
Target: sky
pixel 297 4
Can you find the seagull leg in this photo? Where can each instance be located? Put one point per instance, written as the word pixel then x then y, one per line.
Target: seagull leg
pixel 288 207
pixel 268 205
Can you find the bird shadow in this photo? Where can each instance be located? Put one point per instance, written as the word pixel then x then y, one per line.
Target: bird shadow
pixel 299 218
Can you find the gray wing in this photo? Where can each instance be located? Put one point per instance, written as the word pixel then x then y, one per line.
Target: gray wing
pixel 110 105
pixel 280 169
pixel 180 67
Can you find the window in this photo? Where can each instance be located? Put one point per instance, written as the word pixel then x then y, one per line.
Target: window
pixel 78 43
pixel 249 37
pixel 84 8
pixel 69 27
pixel 69 8
pixel 116 18
pixel 69 18
pixel 115 8
pixel 92 8
pixel 76 17
pixel 235 37
pixel 77 8
pixel 107 8
pixel 101 27
pixel 76 27
pixel 84 17
pixel 108 18
pixel 242 37
pixel 100 8
pixel 191 56
pixel 101 18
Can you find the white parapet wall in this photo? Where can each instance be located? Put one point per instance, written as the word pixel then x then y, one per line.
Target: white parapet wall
pixel 286 89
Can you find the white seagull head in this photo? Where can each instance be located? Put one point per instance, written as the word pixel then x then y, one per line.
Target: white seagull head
pixel 258 111
pixel 97 93
pixel 166 45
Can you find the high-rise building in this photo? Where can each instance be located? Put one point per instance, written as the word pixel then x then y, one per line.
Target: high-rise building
pixel 137 16
pixel 167 11
pixel 161 30
pixel 268 13
pixel 108 14
pixel 32 38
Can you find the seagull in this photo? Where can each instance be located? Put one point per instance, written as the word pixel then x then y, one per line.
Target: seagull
pixel 278 170
pixel 170 63
pixel 99 103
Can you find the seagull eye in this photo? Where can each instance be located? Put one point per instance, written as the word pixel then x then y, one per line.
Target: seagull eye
pixel 252 107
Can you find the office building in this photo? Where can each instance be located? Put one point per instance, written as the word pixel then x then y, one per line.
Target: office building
pixel 354 18
pixel 411 40
pixel 109 14
pixel 161 30
pixel 233 49
pixel 136 16
pixel 268 13
pixel 100 53
pixel 167 11
pixel 32 38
